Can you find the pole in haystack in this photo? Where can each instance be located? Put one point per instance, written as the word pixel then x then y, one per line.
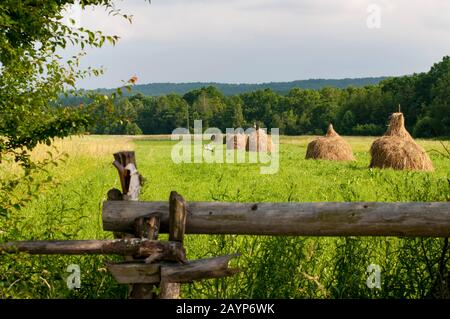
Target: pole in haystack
pixel 330 147
pixel 397 149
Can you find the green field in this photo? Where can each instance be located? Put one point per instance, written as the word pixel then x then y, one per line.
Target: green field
pixel 272 267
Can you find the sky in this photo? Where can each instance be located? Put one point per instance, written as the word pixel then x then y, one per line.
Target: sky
pixel 255 41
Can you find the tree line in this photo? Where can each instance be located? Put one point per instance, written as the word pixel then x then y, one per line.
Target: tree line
pixel 158 89
pixel 423 98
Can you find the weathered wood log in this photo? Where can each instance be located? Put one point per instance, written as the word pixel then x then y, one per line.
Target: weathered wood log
pixel 135 273
pixel 304 219
pixel 130 273
pixel 177 224
pixel 130 181
pixel 169 290
pixel 145 227
pixel 216 267
pixel 156 250
pixel 177 217
pixel 121 160
pixel 114 194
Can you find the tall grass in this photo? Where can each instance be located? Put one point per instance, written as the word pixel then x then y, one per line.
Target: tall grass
pixel 272 267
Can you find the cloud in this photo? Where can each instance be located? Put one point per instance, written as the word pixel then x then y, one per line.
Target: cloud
pixel 269 40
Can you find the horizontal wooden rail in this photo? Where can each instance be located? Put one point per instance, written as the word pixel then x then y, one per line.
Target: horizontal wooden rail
pixel 150 249
pixel 133 273
pixel 429 219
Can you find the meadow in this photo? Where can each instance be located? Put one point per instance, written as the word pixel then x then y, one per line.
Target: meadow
pixel 69 207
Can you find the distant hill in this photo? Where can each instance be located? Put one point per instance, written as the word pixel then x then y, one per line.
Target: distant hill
pixel 156 89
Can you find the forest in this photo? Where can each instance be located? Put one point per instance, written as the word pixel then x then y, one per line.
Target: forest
pixel 158 89
pixel 422 97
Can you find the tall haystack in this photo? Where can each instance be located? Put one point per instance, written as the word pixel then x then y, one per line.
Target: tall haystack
pixel 236 141
pixel 259 141
pixel 330 147
pixel 396 149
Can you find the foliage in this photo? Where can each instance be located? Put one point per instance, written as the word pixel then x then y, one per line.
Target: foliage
pixel 33 75
pixel 423 98
pixel 272 267
pixel 368 130
pixel 228 89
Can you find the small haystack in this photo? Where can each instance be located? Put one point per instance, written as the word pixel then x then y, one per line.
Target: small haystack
pixel 218 138
pixel 331 147
pixel 396 149
pixel 259 141
pixel 236 141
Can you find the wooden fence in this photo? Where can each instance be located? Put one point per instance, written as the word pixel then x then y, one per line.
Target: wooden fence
pixel 151 263
pixel 301 219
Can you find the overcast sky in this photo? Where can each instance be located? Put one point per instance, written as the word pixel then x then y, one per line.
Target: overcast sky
pixel 255 41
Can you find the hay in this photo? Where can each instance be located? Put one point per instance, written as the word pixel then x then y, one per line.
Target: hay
pixel 396 149
pixel 331 147
pixel 236 141
pixel 259 141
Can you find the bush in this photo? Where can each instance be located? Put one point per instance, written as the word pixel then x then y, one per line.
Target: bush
pixel 425 127
pixel 132 129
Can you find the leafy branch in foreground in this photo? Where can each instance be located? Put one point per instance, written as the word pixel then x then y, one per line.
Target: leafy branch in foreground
pixel 33 75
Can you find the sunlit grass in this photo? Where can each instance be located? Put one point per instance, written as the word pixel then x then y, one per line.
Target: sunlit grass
pixel 294 267
pixel 84 146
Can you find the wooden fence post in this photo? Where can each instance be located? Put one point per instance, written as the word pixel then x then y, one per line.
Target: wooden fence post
pixel 177 225
pixel 130 181
pixel 170 263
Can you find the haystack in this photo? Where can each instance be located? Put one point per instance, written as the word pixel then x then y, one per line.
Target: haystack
pixel 396 149
pixel 259 141
pixel 236 141
pixel 218 138
pixel 330 147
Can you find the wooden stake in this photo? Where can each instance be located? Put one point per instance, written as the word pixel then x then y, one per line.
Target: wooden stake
pixel 177 217
pixel 114 194
pixel 121 160
pixel 177 225
pixel 145 227
pixel 130 181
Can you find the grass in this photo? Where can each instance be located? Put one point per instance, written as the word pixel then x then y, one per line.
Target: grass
pixel 277 267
